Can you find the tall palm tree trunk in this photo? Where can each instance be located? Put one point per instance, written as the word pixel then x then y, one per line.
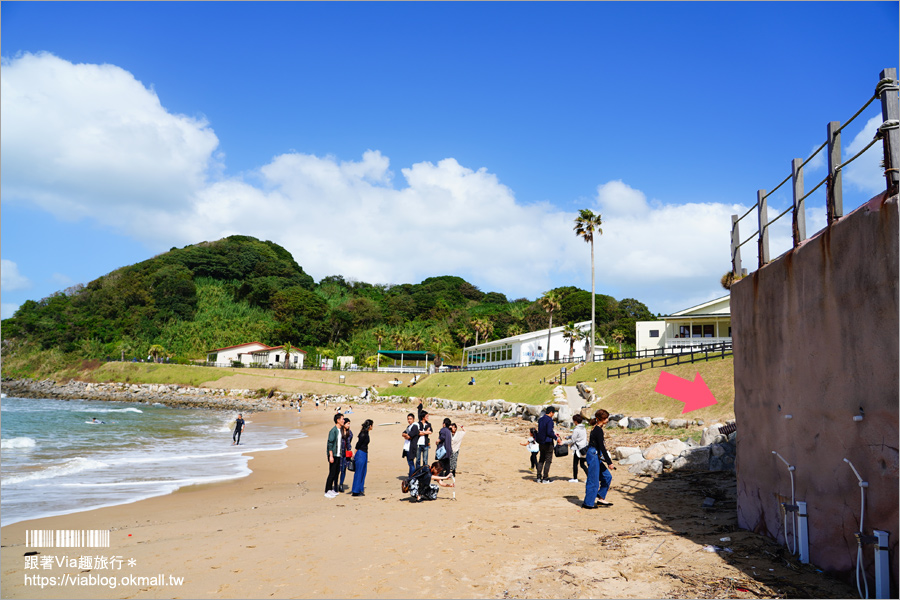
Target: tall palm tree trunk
pixel 549 329
pixel 593 301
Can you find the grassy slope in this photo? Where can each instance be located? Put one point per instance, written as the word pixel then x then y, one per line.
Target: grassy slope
pixel 634 395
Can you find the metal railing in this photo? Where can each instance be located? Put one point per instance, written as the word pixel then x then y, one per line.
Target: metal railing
pixel 888 133
pixel 673 359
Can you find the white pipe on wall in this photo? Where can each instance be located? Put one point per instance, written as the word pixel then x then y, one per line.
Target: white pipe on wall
pixel 859 552
pixel 793 503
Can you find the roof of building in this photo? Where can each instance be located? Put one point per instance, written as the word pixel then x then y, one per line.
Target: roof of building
pixel 408 354
pixel 238 346
pixel 695 311
pixel 270 348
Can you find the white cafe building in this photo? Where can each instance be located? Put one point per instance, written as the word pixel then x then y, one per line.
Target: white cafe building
pixel 701 325
pixel 530 347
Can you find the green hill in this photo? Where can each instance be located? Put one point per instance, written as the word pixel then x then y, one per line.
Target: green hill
pixel 182 303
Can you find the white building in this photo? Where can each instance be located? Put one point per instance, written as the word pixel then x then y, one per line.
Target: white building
pixel 256 354
pixel 241 353
pixel 276 355
pixel 705 324
pixel 530 347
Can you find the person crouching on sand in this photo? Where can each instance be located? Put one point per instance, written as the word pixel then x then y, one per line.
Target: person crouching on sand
pixel 427 482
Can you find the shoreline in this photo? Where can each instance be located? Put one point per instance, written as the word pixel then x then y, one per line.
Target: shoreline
pixel 274 534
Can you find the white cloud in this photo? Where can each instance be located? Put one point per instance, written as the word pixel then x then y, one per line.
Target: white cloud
pixel 10 278
pixel 865 173
pixel 8 309
pixel 90 140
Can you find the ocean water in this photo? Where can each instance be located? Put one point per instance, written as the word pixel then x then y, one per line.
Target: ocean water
pixel 54 461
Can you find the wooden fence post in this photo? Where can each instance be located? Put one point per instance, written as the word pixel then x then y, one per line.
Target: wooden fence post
pixel 890 111
pixel 735 246
pixel 834 200
pixel 763 239
pixel 799 220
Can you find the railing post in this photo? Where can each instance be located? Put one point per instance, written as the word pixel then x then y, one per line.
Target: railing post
pixel 799 220
pixel 890 112
pixel 834 195
pixel 735 246
pixel 763 239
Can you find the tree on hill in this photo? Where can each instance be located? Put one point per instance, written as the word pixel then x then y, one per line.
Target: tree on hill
pixel 156 351
pixel 585 224
pixel 549 302
pixel 380 334
pixel 572 334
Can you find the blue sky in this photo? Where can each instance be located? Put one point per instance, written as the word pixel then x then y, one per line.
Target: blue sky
pixel 393 142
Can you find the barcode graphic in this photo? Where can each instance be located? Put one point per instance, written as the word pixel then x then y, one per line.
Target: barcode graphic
pixel 67 538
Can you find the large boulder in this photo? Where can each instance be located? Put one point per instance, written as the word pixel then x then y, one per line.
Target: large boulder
pixel 678 423
pixel 623 422
pixel 638 422
pixel 626 451
pixel 633 459
pixel 646 466
pixel 660 449
pixel 693 459
pixel 659 420
pixel 710 434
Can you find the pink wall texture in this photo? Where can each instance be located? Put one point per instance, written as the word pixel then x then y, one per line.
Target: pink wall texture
pixel 816 337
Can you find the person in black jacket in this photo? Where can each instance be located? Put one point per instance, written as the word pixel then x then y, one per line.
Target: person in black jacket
pixel 361 459
pixel 445 441
pixel 411 445
pixel 599 477
pixel 546 439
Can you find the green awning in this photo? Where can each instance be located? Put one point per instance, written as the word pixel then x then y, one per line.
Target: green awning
pixel 407 354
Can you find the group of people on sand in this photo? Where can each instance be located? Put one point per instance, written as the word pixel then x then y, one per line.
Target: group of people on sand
pixel 424 481
pixel 339 447
pixel 588 452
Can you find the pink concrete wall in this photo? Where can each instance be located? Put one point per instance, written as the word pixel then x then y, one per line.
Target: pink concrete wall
pixel 816 336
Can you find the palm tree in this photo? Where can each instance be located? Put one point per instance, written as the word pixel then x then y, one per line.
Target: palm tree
pixel 515 329
pixel 287 355
pixel 618 336
pixel 155 351
pixel 416 341
pixel 572 334
pixel 549 302
pixel 464 336
pixel 380 333
pixel 482 326
pixel 124 345
pixel 585 223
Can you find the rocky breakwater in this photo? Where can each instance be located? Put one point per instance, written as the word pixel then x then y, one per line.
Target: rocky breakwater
pixel 506 410
pixel 169 394
pixel 716 451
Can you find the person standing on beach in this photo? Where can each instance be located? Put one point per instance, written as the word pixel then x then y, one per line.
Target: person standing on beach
pixel 599 477
pixel 445 443
pixel 362 459
pixel 411 445
pixel 346 452
pixel 579 441
pixel 546 439
pixel 238 429
pixel 333 448
pixel 424 442
pixel 456 443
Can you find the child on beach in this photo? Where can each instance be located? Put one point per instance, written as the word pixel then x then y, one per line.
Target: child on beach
pixel 532 445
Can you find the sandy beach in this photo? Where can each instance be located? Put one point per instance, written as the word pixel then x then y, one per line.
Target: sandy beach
pixel 273 534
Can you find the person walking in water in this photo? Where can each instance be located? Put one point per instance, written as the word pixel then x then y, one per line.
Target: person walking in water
pixel 238 429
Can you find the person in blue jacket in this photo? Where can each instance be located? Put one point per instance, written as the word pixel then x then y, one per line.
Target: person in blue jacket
pixel 546 439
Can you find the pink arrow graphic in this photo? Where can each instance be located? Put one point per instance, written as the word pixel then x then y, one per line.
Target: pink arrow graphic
pixel 695 394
